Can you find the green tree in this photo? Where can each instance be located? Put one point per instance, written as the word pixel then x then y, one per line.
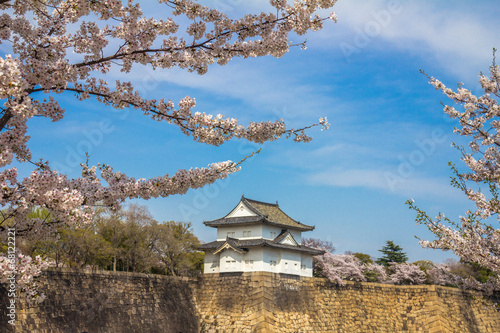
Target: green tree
pixel 123 240
pixel 425 266
pixel 137 251
pixel 112 228
pixel 363 257
pixel 81 247
pixel 392 253
pixel 175 246
pixel 466 270
pixel 126 232
pixel 75 246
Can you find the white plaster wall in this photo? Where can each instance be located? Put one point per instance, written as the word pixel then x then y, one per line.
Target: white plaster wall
pixel 290 262
pixel 297 235
pixel 262 258
pixel 212 263
pixel 255 254
pixel 241 210
pixel 307 261
pixel 241 266
pixel 230 255
pixel 267 229
pixel 274 255
pixel 255 229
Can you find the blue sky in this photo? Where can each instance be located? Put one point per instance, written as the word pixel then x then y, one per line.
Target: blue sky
pixel 388 142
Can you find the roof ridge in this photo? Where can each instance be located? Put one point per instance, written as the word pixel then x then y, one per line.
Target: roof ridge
pixel 283 235
pixel 244 244
pixel 249 201
pixel 252 207
pixel 264 212
pixel 290 216
pixel 261 202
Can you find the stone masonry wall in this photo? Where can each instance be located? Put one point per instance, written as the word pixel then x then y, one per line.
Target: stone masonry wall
pixel 270 303
pixel 80 302
pixel 106 302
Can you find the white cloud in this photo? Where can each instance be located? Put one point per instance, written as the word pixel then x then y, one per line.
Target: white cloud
pixel 459 36
pixel 254 83
pixel 387 181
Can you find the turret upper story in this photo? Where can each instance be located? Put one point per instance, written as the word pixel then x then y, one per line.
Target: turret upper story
pixel 252 219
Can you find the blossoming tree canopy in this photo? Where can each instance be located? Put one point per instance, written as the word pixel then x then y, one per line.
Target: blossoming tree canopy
pixel 64 47
pixel 476 237
pixel 40 68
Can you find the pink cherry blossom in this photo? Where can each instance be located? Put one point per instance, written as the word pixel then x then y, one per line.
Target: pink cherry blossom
pixel 62 47
pixel 475 237
pixel 405 273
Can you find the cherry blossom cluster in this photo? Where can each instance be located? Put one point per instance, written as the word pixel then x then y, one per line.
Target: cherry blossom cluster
pixel 443 274
pixel 339 267
pixel 405 273
pixel 65 46
pixel 42 45
pixel 69 201
pixel 476 236
pixel 24 268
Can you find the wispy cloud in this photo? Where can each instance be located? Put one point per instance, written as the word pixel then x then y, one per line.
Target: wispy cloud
pixel 386 181
pixel 253 85
pixel 457 35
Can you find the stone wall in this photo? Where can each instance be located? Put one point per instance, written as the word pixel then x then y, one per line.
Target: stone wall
pixel 250 302
pixel 270 303
pixel 107 302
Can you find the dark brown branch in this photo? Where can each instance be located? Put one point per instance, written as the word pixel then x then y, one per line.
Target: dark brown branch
pixel 117 56
pixel 178 120
pixel 5 118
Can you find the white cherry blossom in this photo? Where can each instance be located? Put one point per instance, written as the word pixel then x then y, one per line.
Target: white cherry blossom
pixel 62 47
pixel 475 237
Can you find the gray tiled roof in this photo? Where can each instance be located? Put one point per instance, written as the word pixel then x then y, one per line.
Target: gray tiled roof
pixel 266 212
pixel 244 243
pixel 282 236
pixel 232 243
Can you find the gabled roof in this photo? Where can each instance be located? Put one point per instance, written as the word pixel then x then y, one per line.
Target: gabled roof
pixel 230 243
pixel 242 245
pixel 264 212
pixel 285 236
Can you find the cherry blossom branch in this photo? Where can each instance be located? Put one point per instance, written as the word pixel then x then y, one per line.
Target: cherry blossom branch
pixel 42 34
pixel 475 237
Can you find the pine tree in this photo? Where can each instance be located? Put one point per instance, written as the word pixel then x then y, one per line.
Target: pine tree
pixel 392 253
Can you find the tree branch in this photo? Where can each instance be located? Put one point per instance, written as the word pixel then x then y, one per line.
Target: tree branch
pixel 5 118
pixel 118 56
